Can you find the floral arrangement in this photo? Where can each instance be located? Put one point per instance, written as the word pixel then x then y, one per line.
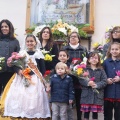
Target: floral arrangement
pixel 27 77
pixel 2 61
pixel 18 60
pixel 60 29
pixel 98 48
pixel 47 75
pixel 47 55
pixel 79 71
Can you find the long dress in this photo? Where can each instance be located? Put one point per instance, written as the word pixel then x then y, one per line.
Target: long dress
pixel 23 102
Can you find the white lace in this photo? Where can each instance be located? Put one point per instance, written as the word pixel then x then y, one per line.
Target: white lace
pixel 29 102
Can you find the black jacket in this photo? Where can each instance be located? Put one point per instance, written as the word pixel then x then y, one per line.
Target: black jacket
pixel 7 47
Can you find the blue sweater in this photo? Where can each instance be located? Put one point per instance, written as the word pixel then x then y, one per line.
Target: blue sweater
pixel 61 89
pixel 111 66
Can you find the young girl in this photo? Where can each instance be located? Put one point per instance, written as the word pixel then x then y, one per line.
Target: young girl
pixel 112 91
pixel 32 101
pixel 91 101
pixel 61 92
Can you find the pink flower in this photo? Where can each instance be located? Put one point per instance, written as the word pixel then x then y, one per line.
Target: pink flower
pixel 85 74
pixel 14 53
pixel 118 73
pixel 82 66
pixel 92 79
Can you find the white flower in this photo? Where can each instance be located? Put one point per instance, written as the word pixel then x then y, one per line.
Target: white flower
pixel 44 51
pixel 63 30
pixel 84 61
pixel 38 29
pixel 59 20
pixel 73 28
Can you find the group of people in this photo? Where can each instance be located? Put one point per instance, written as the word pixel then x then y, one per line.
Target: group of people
pixel 33 102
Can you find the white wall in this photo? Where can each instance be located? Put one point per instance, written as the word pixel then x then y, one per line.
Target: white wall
pixel 15 11
pixel 107 14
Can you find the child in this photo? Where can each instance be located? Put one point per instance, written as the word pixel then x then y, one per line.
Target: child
pixel 91 101
pixel 32 101
pixel 64 57
pixel 112 90
pixel 61 92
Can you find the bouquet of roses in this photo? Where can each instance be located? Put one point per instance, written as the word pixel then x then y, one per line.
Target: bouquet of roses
pixel 79 70
pixel 2 61
pixel 47 75
pixel 18 60
pixel 47 55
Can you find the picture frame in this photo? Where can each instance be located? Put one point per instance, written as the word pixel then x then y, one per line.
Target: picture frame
pixel 69 12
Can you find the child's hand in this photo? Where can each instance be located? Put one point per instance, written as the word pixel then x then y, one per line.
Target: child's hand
pixel 116 79
pixel 94 86
pixel 48 88
pixel 110 81
pixel 91 83
pixel 20 72
pixel 70 101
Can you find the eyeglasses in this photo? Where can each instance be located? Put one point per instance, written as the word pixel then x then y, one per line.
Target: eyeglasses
pixel 116 31
pixel 73 36
pixel 46 32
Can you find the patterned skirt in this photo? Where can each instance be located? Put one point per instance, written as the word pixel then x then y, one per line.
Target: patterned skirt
pixel 91 108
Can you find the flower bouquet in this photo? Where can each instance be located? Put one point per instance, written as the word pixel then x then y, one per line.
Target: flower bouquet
pixel 2 61
pixel 47 55
pixel 79 70
pixel 47 75
pixel 18 60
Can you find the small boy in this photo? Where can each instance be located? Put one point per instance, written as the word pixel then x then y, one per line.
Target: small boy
pixel 61 92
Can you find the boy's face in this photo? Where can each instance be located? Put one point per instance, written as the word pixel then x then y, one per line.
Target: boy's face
pixel 63 57
pixel 60 70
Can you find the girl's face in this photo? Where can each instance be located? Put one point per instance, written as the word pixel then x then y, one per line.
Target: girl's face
pixel 115 50
pixel 94 60
pixel 30 43
pixel 5 28
pixel 74 39
pixel 46 34
pixel 63 57
pixel 116 34
pixel 60 70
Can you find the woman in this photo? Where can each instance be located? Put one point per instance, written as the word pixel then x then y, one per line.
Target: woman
pixel 48 45
pixel 8 45
pixel 76 50
pixel 114 37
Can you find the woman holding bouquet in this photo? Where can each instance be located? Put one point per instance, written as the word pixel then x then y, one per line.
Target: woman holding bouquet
pixel 48 45
pixel 26 97
pixel 8 44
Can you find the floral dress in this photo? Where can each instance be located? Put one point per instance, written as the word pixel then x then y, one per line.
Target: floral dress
pixel 27 102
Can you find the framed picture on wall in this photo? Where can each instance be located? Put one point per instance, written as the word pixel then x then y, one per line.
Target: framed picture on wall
pixel 71 11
